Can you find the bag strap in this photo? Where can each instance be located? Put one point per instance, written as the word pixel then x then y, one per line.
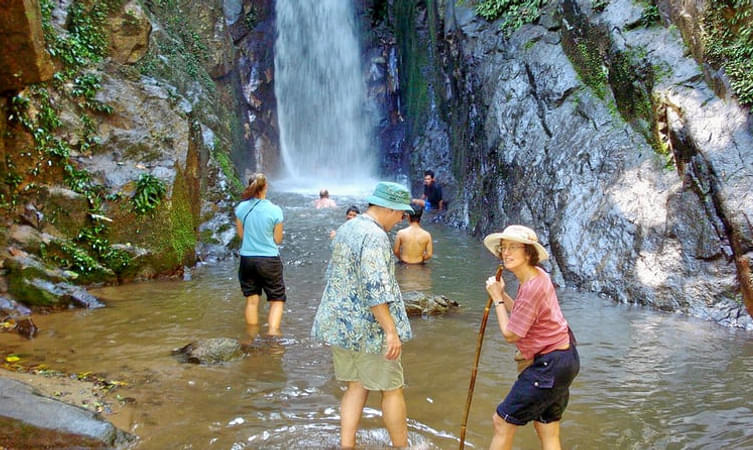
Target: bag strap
pixel 249 212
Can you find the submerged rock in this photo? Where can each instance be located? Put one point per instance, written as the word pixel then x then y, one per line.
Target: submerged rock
pixel 422 304
pixel 210 351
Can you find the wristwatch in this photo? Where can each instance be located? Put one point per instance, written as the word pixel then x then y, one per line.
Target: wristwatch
pixel 499 303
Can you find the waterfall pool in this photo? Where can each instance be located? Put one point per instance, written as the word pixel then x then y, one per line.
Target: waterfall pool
pixel 648 379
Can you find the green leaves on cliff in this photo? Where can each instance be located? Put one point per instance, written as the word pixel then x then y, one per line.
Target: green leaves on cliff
pixel 728 41
pixel 149 193
pixel 85 41
pixel 514 13
pixel 179 49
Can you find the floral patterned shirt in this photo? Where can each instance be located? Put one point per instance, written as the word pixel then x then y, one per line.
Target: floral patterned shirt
pixel 360 275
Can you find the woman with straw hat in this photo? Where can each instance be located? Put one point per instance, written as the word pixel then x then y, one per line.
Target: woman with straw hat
pixel 548 359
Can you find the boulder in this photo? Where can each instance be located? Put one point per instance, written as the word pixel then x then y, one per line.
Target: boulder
pixel 129 33
pixel 422 304
pixel 210 351
pixel 23 265
pixel 21 34
pixel 37 418
pixel 40 292
pixel 12 309
pixel 28 238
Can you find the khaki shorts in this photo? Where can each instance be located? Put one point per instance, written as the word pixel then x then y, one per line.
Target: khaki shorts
pixel 372 370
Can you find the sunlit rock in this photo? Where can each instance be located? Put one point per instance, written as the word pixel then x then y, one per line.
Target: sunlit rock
pixel 129 31
pixel 422 304
pixel 210 351
pixel 24 59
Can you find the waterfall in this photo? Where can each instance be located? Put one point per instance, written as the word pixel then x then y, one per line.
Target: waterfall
pixel 325 132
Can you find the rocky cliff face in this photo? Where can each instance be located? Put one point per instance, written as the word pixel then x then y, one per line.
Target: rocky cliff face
pixel 605 131
pixel 604 136
pixel 117 162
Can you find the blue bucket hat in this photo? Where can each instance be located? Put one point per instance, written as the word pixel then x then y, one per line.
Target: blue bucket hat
pixel 391 195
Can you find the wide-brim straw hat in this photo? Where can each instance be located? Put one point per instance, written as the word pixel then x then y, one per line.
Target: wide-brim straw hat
pixel 391 195
pixel 515 233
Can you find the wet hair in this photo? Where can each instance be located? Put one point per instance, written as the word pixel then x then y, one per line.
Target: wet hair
pixel 323 193
pixel 429 172
pixel 256 183
pixel 353 208
pixel 415 216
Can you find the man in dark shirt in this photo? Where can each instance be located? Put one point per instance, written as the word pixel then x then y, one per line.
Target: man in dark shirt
pixel 432 198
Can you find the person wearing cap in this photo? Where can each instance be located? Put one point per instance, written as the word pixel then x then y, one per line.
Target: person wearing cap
pixel 548 360
pixel 362 315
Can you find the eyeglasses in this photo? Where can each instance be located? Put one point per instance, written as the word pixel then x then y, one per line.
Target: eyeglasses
pixel 507 248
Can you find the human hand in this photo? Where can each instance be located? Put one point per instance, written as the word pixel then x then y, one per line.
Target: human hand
pixel 394 346
pixel 495 287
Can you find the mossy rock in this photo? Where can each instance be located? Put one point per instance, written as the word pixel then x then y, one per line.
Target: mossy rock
pixel 28 266
pixel 26 291
pixel 39 292
pixel 78 260
pixel 64 209
pixel 166 237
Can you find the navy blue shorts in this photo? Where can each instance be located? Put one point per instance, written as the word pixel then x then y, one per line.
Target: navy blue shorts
pixel 262 272
pixel 542 391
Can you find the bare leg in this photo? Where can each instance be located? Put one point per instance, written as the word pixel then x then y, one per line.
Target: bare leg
pixel 549 434
pixel 503 433
pixel 252 309
pixel 276 308
pixel 394 414
pixel 252 331
pixel 351 409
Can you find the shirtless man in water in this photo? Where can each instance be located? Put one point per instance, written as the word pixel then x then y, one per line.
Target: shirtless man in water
pixel 413 244
pixel 324 201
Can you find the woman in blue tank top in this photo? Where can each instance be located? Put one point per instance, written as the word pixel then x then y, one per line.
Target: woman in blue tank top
pixel 259 225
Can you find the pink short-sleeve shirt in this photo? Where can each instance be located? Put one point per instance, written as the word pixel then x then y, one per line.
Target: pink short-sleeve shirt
pixel 536 317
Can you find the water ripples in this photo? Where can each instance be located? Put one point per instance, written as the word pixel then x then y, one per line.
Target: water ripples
pixel 648 379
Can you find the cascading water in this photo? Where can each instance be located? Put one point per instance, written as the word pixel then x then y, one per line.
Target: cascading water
pixel 325 132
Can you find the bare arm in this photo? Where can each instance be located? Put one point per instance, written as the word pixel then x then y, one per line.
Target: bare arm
pixel 429 250
pixel 396 247
pixel 502 304
pixel 278 233
pixel 239 227
pixel 382 314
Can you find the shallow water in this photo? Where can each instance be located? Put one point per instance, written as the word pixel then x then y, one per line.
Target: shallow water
pixel 648 379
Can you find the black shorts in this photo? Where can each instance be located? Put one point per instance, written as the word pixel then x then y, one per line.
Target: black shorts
pixel 262 272
pixel 542 391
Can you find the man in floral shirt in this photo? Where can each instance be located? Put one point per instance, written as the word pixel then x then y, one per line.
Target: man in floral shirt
pixel 362 315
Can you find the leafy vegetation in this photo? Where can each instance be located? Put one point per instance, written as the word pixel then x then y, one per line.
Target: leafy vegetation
pixel 227 168
pixel 149 193
pixel 650 16
pixel 599 5
pixel 180 49
pixel 83 44
pixel 514 13
pixel 85 41
pixel 728 42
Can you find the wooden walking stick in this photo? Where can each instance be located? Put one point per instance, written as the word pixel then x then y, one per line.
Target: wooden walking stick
pixel 475 361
